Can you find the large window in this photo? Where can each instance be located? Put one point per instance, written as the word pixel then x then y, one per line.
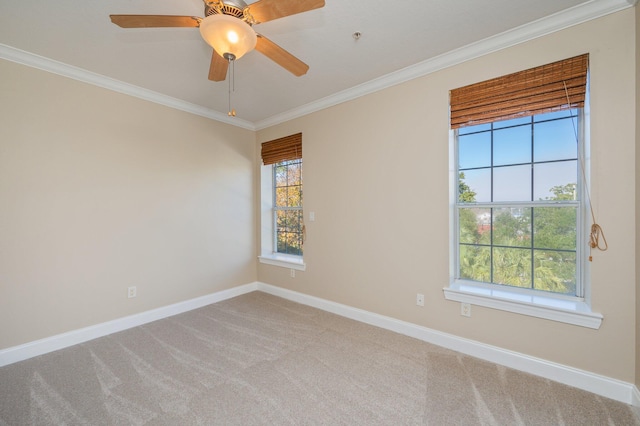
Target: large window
pixel 518 179
pixel 518 206
pixel 287 207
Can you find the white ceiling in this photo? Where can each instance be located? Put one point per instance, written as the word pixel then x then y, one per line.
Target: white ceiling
pixel 400 40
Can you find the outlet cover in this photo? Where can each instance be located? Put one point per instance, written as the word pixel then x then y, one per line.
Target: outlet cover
pixel 132 292
pixel 465 309
pixel 420 299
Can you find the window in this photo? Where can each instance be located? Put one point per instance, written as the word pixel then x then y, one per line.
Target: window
pixel 517 206
pixel 287 207
pixel 282 222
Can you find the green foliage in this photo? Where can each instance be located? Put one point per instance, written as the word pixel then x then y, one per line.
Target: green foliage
pixel 512 227
pixel 555 228
pixel 555 271
pixel 469 229
pixel 563 192
pixel 475 263
pixel 497 245
pixel 465 193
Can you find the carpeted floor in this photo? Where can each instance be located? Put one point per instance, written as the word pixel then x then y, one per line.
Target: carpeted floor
pixel 259 359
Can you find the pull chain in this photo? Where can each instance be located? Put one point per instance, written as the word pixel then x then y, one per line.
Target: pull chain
pixel 596 231
pixel 232 81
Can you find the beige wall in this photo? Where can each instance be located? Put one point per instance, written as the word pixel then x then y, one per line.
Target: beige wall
pixel 376 173
pixel 100 191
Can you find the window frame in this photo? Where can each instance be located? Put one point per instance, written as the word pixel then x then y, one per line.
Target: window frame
pixel 575 118
pixel 277 208
pixel 268 236
pixel 553 306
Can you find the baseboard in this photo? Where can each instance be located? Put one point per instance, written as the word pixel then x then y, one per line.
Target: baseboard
pixel 591 382
pixel 635 397
pixel 61 341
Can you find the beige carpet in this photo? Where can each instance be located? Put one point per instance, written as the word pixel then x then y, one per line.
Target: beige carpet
pixel 259 359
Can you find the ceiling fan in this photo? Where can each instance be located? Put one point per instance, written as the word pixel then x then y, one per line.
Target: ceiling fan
pixel 227 27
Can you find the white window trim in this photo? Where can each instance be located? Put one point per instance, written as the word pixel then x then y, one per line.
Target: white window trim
pixel 284 261
pixel 268 253
pixel 569 310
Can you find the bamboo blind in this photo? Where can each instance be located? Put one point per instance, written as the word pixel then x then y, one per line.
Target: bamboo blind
pixel 282 149
pixel 533 91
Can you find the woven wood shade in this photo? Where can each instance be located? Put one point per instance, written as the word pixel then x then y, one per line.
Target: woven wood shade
pixel 533 91
pixel 282 149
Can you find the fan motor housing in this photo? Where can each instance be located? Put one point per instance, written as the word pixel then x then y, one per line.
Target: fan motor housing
pixel 231 7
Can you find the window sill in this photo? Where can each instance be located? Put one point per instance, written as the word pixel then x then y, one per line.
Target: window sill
pixel 284 261
pixel 541 306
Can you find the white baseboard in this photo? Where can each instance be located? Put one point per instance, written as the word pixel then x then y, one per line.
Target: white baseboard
pixel 635 397
pixel 595 383
pixel 585 380
pixel 74 337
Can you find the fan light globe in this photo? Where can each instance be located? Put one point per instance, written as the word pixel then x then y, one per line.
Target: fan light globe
pixel 227 34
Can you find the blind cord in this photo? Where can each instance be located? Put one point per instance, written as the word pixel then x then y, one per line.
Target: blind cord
pixel 596 230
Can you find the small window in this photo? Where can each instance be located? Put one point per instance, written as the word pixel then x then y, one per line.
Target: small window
pixel 287 207
pixel 281 214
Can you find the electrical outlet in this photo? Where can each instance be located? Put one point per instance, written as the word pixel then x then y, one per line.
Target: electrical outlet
pixel 293 273
pixel 132 292
pixel 420 299
pixel 465 309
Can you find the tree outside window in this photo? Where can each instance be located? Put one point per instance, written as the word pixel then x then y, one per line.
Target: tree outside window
pixel 288 214
pixel 518 203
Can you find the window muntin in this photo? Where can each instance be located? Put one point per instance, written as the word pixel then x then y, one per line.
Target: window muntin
pixel 287 207
pixel 518 204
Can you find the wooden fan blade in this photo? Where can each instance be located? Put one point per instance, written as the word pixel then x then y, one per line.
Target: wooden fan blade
pixel 152 21
pixel 268 10
pixel 280 56
pixel 218 68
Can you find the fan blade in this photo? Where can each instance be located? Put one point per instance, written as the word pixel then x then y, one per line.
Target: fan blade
pixel 150 21
pixel 268 10
pixel 280 56
pixel 218 68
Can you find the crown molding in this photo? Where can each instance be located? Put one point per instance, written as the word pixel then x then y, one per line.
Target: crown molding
pixel 561 20
pixel 556 22
pixel 46 64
